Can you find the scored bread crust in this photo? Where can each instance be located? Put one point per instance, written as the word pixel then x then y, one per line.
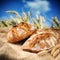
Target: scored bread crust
pixel 20 32
pixel 42 40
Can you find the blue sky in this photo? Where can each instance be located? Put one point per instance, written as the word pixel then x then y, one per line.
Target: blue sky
pixel 46 8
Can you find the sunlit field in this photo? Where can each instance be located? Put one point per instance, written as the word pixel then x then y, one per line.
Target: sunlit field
pixel 30 32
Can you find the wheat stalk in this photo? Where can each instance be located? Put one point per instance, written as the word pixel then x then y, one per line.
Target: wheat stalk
pixel 55 23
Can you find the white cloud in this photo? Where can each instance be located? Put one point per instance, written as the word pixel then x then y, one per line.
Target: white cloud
pixel 39 6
